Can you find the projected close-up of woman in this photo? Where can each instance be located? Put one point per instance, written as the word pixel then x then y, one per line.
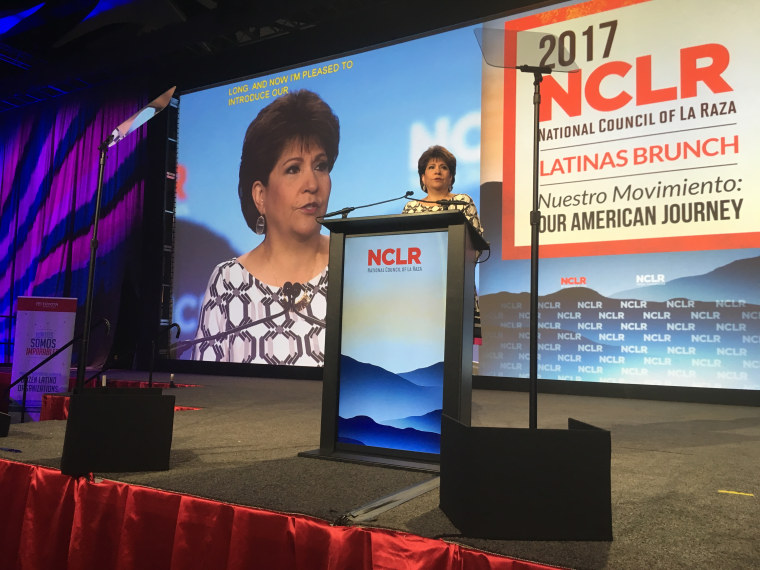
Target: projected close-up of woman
pixel 268 305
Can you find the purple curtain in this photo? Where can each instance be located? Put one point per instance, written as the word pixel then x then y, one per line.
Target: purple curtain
pixel 49 161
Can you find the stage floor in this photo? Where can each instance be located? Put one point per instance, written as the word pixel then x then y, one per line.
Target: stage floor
pixel 685 477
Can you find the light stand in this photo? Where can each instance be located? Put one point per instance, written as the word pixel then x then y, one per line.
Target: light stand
pixel 113 429
pixel 124 129
pixel 494 44
pixel 535 220
pixel 526 484
pixel 82 363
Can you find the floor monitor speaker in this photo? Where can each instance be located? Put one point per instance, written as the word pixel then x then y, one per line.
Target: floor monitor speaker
pixel 118 430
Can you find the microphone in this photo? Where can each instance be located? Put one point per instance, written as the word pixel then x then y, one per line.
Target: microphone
pixel 342 212
pixel 452 202
pixel 345 211
pixel 291 291
pixel 446 202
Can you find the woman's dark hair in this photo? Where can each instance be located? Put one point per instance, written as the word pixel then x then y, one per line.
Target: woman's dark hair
pixel 301 116
pixel 440 153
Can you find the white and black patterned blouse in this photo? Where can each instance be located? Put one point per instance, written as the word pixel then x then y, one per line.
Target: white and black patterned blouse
pixel 471 213
pixel 245 320
pixel 470 210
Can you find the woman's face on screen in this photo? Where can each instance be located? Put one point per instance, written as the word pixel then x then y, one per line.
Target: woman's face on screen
pixel 298 191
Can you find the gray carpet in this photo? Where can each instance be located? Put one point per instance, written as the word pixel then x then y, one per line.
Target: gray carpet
pixel 670 462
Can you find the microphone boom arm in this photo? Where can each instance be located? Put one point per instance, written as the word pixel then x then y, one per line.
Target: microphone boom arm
pixel 345 211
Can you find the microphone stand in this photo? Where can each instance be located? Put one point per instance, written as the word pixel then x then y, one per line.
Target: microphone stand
pixel 343 213
pixel 182 346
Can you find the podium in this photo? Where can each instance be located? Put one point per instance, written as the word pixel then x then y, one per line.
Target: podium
pixel 399 333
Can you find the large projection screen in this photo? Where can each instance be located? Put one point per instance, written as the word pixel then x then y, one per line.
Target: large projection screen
pixel 650 242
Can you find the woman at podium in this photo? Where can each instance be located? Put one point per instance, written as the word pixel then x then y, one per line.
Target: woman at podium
pixel 268 305
pixel 437 168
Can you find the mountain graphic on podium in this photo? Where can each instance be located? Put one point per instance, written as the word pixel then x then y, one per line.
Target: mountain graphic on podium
pixel 363 430
pixel 384 409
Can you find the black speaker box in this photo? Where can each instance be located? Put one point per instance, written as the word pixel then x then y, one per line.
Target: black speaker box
pixel 115 430
pixel 5 424
pixel 524 484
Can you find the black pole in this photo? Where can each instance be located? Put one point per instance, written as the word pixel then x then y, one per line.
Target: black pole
pixel 152 362
pixel 23 403
pixel 535 219
pixel 91 277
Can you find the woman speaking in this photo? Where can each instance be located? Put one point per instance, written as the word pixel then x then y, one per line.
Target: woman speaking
pixel 437 168
pixel 268 305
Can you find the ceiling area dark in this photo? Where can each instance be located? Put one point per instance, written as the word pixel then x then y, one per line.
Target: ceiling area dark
pixel 50 48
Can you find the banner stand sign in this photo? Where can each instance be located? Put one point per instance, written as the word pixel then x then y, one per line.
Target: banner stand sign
pixel 43 324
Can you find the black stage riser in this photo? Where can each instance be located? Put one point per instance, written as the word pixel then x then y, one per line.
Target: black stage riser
pixel 118 431
pixel 527 484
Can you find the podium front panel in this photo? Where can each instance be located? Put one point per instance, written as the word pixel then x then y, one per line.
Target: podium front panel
pixel 398 342
pixel 390 392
